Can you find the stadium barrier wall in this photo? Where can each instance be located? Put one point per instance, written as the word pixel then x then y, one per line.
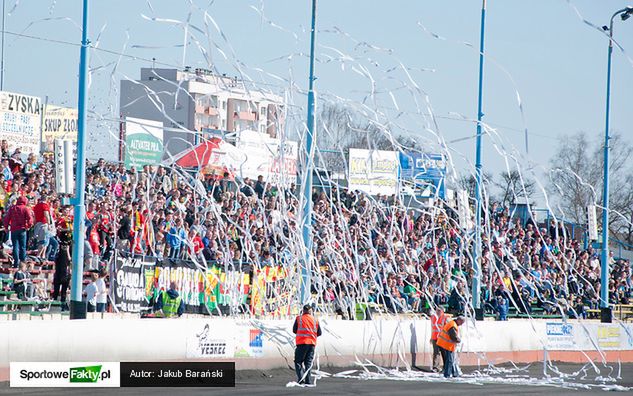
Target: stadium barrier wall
pixel 265 344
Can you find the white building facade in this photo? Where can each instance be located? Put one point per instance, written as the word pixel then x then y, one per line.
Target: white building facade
pixel 198 104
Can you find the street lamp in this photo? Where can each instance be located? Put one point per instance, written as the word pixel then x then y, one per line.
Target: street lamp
pixel 476 291
pixel 306 227
pixel 605 309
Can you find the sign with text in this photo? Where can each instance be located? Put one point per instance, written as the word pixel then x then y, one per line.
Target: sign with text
pixel 20 121
pixel 64 374
pixel 59 123
pixel 373 171
pixel 271 158
pixel 143 142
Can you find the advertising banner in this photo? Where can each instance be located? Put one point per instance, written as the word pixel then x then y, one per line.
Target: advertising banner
pixel 59 123
pixel 426 171
pixel 20 121
pixel 271 158
pixel 129 282
pixel 143 142
pixel 560 336
pixel 206 344
pixel 587 336
pixel 138 284
pixel 271 292
pixel 374 172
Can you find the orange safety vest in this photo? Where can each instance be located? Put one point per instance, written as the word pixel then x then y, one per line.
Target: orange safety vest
pixel 444 340
pixel 307 327
pixel 437 324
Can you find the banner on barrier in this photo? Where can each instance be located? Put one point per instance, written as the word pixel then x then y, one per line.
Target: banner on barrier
pixel 206 344
pixel 586 336
pixel 129 282
pixel 137 284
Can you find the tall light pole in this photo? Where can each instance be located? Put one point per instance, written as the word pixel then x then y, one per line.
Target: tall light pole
pixel 605 309
pixel 77 306
pixel 2 51
pixel 476 292
pixel 307 185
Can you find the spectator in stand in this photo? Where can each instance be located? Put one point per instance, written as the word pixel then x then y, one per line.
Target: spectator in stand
pixel 90 293
pixel 61 278
pixel 19 220
pixel 23 282
pixel 6 170
pixel 43 229
pixel 4 146
pixel 259 187
pixel 176 239
pixel 102 291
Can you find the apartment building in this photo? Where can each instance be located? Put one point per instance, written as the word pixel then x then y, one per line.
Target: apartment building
pixel 194 104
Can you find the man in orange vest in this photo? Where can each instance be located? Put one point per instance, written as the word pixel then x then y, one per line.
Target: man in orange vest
pixel 447 341
pixel 438 321
pixel 307 329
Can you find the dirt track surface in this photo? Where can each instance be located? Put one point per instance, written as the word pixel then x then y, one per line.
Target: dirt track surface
pixel 274 383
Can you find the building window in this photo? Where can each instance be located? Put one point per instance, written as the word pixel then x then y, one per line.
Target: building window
pixel 262 111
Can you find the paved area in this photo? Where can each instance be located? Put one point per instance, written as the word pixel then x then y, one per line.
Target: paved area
pixel 274 383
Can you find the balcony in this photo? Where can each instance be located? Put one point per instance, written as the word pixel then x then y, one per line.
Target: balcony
pixel 245 115
pixel 212 111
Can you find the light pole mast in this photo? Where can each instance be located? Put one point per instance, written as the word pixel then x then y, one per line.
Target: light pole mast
pixel 307 185
pixel 605 310
pixel 476 292
pixel 77 306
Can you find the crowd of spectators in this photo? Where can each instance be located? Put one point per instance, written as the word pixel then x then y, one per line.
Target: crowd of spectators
pixel 366 249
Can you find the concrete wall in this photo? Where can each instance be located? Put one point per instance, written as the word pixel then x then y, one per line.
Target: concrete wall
pixel 385 342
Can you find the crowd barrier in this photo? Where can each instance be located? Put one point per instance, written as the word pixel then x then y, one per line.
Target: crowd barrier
pixel 264 344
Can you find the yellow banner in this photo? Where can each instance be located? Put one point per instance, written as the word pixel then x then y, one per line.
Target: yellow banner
pixel 59 123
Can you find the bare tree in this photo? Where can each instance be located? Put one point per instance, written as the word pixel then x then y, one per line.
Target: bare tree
pixel 512 184
pixel 341 128
pixel 467 182
pixel 576 176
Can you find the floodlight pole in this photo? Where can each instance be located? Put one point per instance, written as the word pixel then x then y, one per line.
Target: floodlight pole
pixel 307 185
pixel 476 292
pixel 605 310
pixel 77 306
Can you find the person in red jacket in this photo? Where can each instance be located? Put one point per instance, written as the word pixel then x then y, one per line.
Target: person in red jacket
pixel 18 220
pixel 307 329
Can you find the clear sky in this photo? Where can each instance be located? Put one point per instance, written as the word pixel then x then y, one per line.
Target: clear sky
pixel 557 62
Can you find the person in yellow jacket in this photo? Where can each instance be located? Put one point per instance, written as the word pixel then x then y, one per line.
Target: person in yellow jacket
pixel 169 304
pixel 307 329
pixel 447 340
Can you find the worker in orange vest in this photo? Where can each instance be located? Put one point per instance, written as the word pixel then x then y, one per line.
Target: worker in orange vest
pixel 447 341
pixel 438 321
pixel 307 329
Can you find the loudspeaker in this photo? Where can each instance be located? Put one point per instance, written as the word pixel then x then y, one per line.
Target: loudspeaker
pixel 606 315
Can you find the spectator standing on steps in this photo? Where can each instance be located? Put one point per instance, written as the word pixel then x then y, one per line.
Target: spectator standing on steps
pixel 18 220
pixel 61 278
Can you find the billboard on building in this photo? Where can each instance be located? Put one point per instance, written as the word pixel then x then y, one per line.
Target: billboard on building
pixel 59 123
pixel 143 142
pixel 271 158
pixel 426 171
pixel 373 171
pixel 20 121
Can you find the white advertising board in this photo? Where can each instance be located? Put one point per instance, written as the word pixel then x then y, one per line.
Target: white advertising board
pixel 374 172
pixel 271 158
pixel 20 121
